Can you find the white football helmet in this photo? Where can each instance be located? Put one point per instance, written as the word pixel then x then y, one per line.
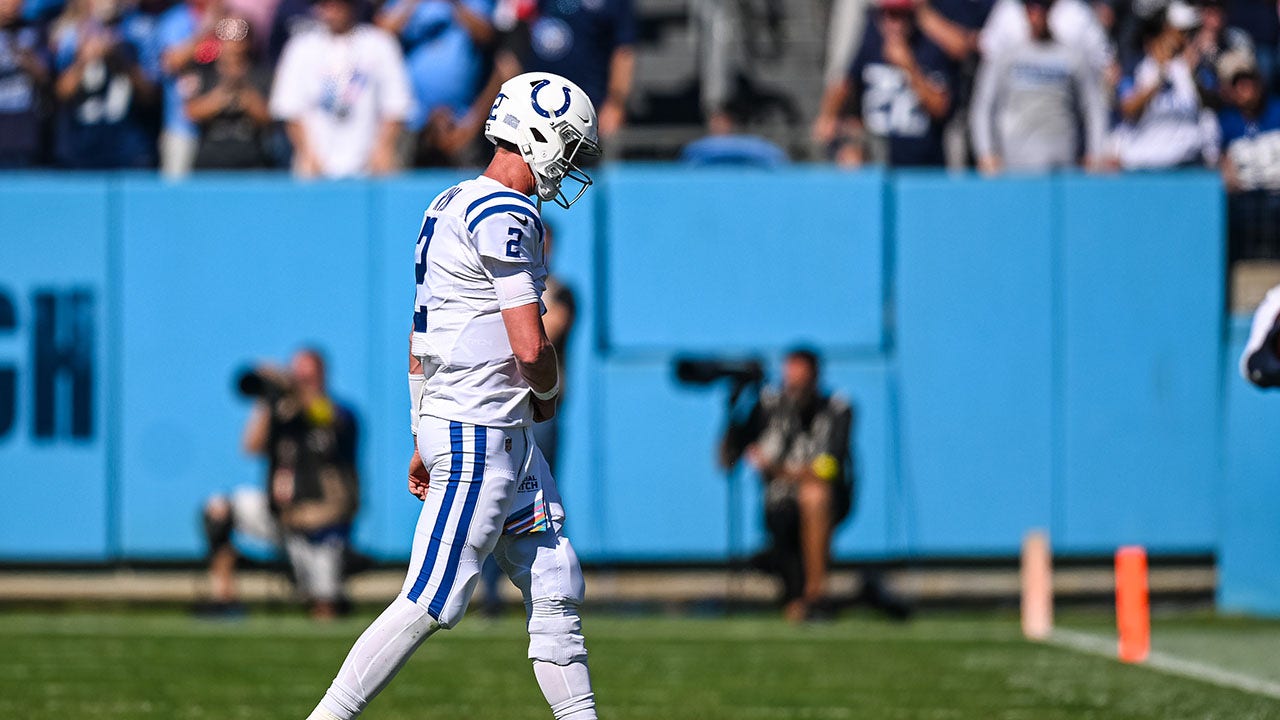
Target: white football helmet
pixel 551 121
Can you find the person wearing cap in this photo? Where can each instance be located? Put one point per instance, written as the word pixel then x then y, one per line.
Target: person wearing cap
pixel 1033 101
pixel 901 86
pixel 1166 124
pixel 1250 144
pixel 343 94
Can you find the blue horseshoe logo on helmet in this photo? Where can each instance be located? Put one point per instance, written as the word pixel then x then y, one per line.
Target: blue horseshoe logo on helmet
pixel 541 110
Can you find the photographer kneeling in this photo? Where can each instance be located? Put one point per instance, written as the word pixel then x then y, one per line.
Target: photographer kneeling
pixel 312 490
pixel 798 440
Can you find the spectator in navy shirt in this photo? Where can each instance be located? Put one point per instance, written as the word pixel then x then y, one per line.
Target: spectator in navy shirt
pixel 24 73
pixel 105 94
pixel 587 41
pixel 1250 159
pixel 445 43
pixel 901 87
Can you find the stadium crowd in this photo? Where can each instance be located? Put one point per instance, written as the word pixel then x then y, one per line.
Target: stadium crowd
pixel 338 88
pixel 1036 85
pixel 332 88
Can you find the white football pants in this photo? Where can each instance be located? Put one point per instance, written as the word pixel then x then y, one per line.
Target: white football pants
pixel 478 476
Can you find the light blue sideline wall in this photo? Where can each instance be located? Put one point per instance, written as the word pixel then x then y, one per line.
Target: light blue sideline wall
pixel 1249 499
pixel 1142 336
pixel 1021 352
pixel 55 499
pixel 974 307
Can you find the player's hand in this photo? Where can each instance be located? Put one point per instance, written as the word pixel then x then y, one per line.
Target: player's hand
pixel 544 410
pixel 419 476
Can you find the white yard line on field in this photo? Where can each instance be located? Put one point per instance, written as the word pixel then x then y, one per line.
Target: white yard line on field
pixel 1169 664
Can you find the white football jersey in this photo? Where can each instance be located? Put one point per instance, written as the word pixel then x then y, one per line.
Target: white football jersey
pixel 458 333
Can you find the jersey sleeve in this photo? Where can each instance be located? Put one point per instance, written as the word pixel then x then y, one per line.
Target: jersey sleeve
pixel 506 228
pixel 514 284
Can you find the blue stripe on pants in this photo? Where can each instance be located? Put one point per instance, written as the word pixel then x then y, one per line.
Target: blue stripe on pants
pixel 464 525
pixel 442 519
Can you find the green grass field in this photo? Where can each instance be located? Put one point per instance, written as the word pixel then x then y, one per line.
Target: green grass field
pixel 139 665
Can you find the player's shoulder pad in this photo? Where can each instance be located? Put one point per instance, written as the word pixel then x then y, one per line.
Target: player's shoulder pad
pixel 520 207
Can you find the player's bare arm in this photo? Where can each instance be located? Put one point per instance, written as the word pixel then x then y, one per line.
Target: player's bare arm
pixel 535 356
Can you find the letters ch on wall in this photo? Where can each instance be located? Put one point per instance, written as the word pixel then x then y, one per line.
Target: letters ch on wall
pixel 58 327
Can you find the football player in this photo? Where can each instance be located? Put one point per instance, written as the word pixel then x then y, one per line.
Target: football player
pixel 482 371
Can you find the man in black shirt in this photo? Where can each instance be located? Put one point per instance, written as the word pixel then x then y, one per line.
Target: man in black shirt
pixel 312 492
pixel 230 108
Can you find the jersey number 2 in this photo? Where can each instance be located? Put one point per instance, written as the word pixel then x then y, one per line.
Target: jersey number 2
pixel 420 267
pixel 420 272
pixel 513 245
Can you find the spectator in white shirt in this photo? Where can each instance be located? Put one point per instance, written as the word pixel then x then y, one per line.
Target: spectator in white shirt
pixel 1033 102
pixel 343 94
pixel 1166 124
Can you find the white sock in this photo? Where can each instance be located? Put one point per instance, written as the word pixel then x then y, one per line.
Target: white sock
pixel 375 659
pixel 567 689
